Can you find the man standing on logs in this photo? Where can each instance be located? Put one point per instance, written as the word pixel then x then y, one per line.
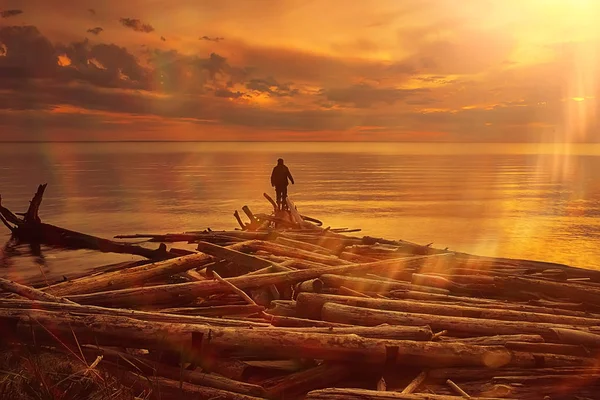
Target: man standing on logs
pixel 279 180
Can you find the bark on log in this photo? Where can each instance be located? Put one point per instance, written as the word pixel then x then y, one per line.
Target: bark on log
pixel 158 385
pixel 372 285
pixel 361 394
pixel 496 340
pixel 77 309
pixel 129 276
pixel 186 292
pixel 30 293
pixel 249 262
pixel 197 340
pixel 309 302
pixel 567 290
pixel 303 245
pixel 281 250
pixel 301 382
pixel 393 332
pixel 149 367
pixel 549 348
pixel 479 374
pixel 293 322
pixel 489 303
pixel 215 311
pixel 456 326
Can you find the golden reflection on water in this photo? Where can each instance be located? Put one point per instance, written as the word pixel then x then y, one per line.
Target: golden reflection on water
pixel 510 200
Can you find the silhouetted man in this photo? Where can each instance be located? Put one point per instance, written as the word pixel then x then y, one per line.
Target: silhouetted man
pixel 279 180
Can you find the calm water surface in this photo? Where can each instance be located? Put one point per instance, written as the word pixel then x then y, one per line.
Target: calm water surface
pixel 524 201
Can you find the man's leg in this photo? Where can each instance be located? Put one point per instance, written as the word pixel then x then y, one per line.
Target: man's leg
pixel 284 197
pixel 278 193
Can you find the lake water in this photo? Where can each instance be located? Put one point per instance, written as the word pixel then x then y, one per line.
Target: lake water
pixel 512 200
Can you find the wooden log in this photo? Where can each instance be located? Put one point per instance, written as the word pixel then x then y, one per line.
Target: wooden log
pixel 164 386
pixel 215 311
pixel 479 374
pixel 344 291
pixel 15 304
pixel 362 394
pixel 311 286
pixel 456 326
pixel 549 348
pixel 293 322
pixel 457 389
pixel 567 290
pixel 236 215
pixel 415 383
pixel 149 367
pixel 301 382
pixel 270 200
pixel 267 342
pixel 496 339
pixel 487 303
pixel 285 308
pixel 30 293
pixel 372 285
pixel 129 276
pixel 440 309
pixel 522 359
pixel 180 293
pixel 393 332
pixel 303 245
pixel 249 262
pixel 281 250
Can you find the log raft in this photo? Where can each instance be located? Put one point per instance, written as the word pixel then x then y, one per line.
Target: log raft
pixel 283 307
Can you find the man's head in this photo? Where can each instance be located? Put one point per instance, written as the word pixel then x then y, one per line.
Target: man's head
pixel 280 161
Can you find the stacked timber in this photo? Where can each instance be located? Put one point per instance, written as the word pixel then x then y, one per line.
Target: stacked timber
pixel 283 308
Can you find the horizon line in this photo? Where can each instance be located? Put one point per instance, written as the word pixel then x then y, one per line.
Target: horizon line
pixel 280 141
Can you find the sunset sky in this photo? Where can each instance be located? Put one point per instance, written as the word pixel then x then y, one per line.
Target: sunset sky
pixel 382 70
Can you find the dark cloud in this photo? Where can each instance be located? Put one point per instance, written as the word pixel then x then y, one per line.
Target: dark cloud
pixel 92 11
pixel 95 30
pixel 364 95
pixel 136 25
pixel 212 39
pixel 10 13
pixel 28 54
pixel 163 39
pixel 228 94
pixel 271 87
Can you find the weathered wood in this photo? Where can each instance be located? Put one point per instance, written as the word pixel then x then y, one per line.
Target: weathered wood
pixel 312 303
pixel 130 276
pixel 568 290
pixel 372 285
pixel 311 286
pixel 77 309
pixel 415 383
pixel 285 308
pixel 479 374
pixel 249 262
pixel 287 321
pixel 281 250
pixel 393 332
pixel 107 330
pixel 549 348
pixel 301 382
pixel 456 326
pixel 215 311
pixel 457 389
pixel 30 293
pixel 344 291
pixel 496 339
pixel 157 384
pixel 303 245
pixel 180 293
pixel 361 394
pixel 148 367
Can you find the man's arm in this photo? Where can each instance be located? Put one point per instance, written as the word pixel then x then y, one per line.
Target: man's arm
pixel 273 178
pixel 290 176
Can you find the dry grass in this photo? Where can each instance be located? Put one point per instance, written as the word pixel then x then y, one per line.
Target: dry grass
pixel 27 374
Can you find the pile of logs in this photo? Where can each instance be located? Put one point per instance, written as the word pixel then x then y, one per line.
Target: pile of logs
pixel 283 308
